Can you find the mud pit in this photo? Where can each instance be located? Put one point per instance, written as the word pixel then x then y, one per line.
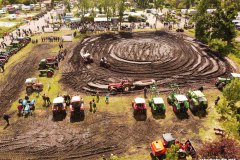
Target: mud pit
pixel 165 57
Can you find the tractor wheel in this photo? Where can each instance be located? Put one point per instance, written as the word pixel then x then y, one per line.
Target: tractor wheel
pixel 174 108
pixel 193 108
pixel 113 91
pixel 49 74
pixel 169 101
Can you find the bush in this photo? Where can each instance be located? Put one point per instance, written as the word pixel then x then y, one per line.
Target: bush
pixel 221 148
pixel 220 46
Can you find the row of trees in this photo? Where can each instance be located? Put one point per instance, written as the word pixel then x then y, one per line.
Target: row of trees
pixel 215 29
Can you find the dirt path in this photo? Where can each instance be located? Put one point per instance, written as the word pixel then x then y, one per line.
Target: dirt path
pixel 165 57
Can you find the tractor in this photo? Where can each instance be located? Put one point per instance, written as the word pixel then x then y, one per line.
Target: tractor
pixel 178 101
pixel 48 63
pixel 157 105
pixel 59 107
pixel 87 58
pixel 48 72
pixel 197 100
pixel 222 82
pixel 123 86
pixel 32 84
pixel 104 63
pixel 159 148
pixel 76 108
pixel 139 106
pixel 156 102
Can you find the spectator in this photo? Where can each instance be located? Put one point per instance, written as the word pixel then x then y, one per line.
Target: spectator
pixel 6 118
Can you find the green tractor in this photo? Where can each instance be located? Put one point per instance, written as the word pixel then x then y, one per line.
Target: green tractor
pixel 178 101
pixel 197 100
pixel 46 72
pixel 156 102
pixel 157 105
pixel 222 82
pixel 48 63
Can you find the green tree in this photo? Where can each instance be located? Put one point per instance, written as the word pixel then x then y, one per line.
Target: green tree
pixel 158 4
pixel 121 9
pixel 222 27
pixel 171 153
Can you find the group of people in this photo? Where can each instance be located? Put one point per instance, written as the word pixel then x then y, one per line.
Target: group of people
pixel 25 106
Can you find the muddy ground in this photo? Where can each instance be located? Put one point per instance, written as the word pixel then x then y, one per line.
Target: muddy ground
pixel 12 84
pixel 103 133
pixel 165 57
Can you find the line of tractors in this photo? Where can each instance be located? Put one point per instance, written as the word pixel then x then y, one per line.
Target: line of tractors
pixel 76 108
pixel 195 100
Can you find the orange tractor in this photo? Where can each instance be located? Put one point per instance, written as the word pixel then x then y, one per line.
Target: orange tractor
pixel 159 147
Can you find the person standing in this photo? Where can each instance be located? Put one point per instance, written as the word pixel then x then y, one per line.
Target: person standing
pixel 216 101
pixel 94 106
pixel 97 95
pixel 90 104
pixel 2 66
pixel 107 98
pixel 145 92
pixel 6 118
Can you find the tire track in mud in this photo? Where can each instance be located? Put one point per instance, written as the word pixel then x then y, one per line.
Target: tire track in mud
pixel 99 134
pixel 12 85
pixel 145 55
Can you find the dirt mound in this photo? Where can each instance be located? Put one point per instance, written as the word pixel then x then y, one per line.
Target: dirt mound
pixel 165 57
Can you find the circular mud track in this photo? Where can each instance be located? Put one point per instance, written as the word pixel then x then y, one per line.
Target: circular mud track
pixel 165 57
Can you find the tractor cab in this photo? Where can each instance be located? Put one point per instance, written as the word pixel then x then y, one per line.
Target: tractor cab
pixel 76 104
pixel 76 108
pixel 59 106
pixel 87 58
pixel 222 82
pixel 168 140
pixel 158 102
pixel 139 103
pixel 139 106
pixel 197 100
pixel 157 105
pixel 179 102
pixel 33 84
pixel 157 148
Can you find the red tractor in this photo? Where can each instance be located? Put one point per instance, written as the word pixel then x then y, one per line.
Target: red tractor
pixel 139 106
pixel 32 84
pixel 160 147
pixel 59 108
pixel 76 108
pixel 123 86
